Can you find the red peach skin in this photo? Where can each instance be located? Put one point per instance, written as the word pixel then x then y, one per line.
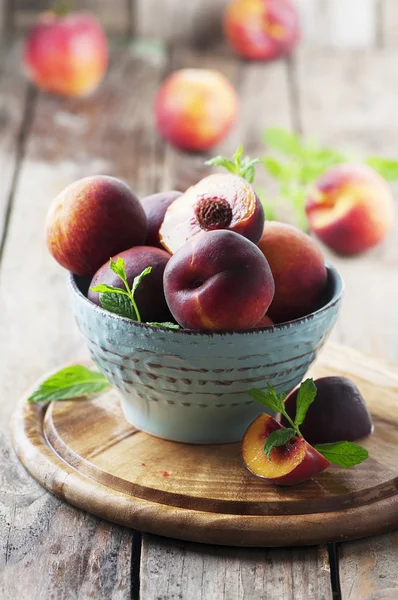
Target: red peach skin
pixel 350 209
pixel 218 281
pixel 292 463
pixel 299 271
pixel 66 55
pixel 262 29
pixel 91 220
pixel 195 108
pixel 155 207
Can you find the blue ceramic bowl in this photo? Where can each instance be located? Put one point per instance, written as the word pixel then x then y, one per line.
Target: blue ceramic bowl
pixel 189 386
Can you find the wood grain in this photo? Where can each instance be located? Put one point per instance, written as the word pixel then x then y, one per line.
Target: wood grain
pixel 46 545
pixel 88 455
pixel 171 569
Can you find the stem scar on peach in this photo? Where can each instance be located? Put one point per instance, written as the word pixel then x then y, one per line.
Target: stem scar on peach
pixel 290 464
pixel 219 201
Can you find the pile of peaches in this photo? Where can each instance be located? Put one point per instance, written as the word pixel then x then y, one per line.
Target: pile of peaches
pixel 216 263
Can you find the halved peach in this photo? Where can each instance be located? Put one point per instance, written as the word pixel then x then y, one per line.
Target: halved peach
pixel 292 463
pixel 219 201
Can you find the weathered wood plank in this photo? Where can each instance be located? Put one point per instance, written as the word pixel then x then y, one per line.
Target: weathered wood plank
pixel 47 547
pixel 389 23
pixel 369 568
pixel 344 105
pixel 14 123
pixel 171 569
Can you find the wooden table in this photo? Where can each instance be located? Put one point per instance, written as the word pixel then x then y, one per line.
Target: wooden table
pixel 49 549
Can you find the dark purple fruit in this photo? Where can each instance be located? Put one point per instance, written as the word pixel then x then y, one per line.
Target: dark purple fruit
pixel 155 207
pixel 338 413
pixel 149 295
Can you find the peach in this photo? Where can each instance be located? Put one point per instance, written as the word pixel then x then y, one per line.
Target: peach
pixel 92 220
pixel 350 209
pixel 338 413
pixel 195 108
pixel 292 463
pixel 298 268
pixel 261 29
pixel 266 321
pixel 149 295
pixel 155 207
pixel 66 55
pixel 220 201
pixel 218 281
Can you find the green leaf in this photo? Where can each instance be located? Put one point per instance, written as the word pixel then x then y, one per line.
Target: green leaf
pixel 71 382
pixel 119 304
pixel 166 325
pixel 344 454
pixel 222 161
pixel 103 288
pixel 269 398
pixel 139 278
pixel 279 437
pixel 118 268
pixel 283 141
pixel 274 167
pixel 305 397
pixel 385 167
pixel 238 155
pixel 249 174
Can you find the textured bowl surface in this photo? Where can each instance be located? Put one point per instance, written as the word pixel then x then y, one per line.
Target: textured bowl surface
pixel 190 386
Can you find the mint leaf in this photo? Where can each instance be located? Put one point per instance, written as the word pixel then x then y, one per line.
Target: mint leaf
pixel 274 167
pixel 104 288
pixel 222 161
pixel 238 155
pixel 118 268
pixel 279 437
pixel 166 325
pixel 305 397
pixel 119 304
pixel 269 398
pixel 343 454
pixel 71 382
pixel 249 173
pixel 139 278
pixel 385 167
pixel 283 141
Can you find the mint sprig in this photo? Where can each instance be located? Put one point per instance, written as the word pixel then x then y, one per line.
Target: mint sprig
pixel 344 454
pixel 119 301
pixel 239 165
pixel 279 437
pixel 70 382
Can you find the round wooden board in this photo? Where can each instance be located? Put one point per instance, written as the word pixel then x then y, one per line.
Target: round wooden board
pixel 87 454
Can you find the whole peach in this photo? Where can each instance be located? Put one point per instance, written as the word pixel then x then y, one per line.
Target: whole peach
pixel 261 29
pixel 155 207
pixel 149 295
pixel 218 281
pixel 195 108
pixel 350 209
pixel 66 55
pixel 298 268
pixel 91 220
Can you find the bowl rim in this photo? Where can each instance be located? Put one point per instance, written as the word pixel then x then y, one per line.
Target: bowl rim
pixel 335 299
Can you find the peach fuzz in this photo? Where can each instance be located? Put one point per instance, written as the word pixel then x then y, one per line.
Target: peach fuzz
pixel 350 209
pixel 290 464
pixel 195 108
pixel 92 219
pixel 298 268
pixel 218 281
pixel 261 29
pixel 66 55
pixel 219 201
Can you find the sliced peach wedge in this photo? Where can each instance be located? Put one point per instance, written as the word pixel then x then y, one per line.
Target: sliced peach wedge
pixel 289 464
pixel 219 201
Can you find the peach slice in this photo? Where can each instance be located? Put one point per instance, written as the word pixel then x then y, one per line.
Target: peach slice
pixel 292 463
pixel 220 201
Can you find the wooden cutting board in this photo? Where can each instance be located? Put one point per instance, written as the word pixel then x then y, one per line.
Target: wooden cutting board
pixel 87 454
